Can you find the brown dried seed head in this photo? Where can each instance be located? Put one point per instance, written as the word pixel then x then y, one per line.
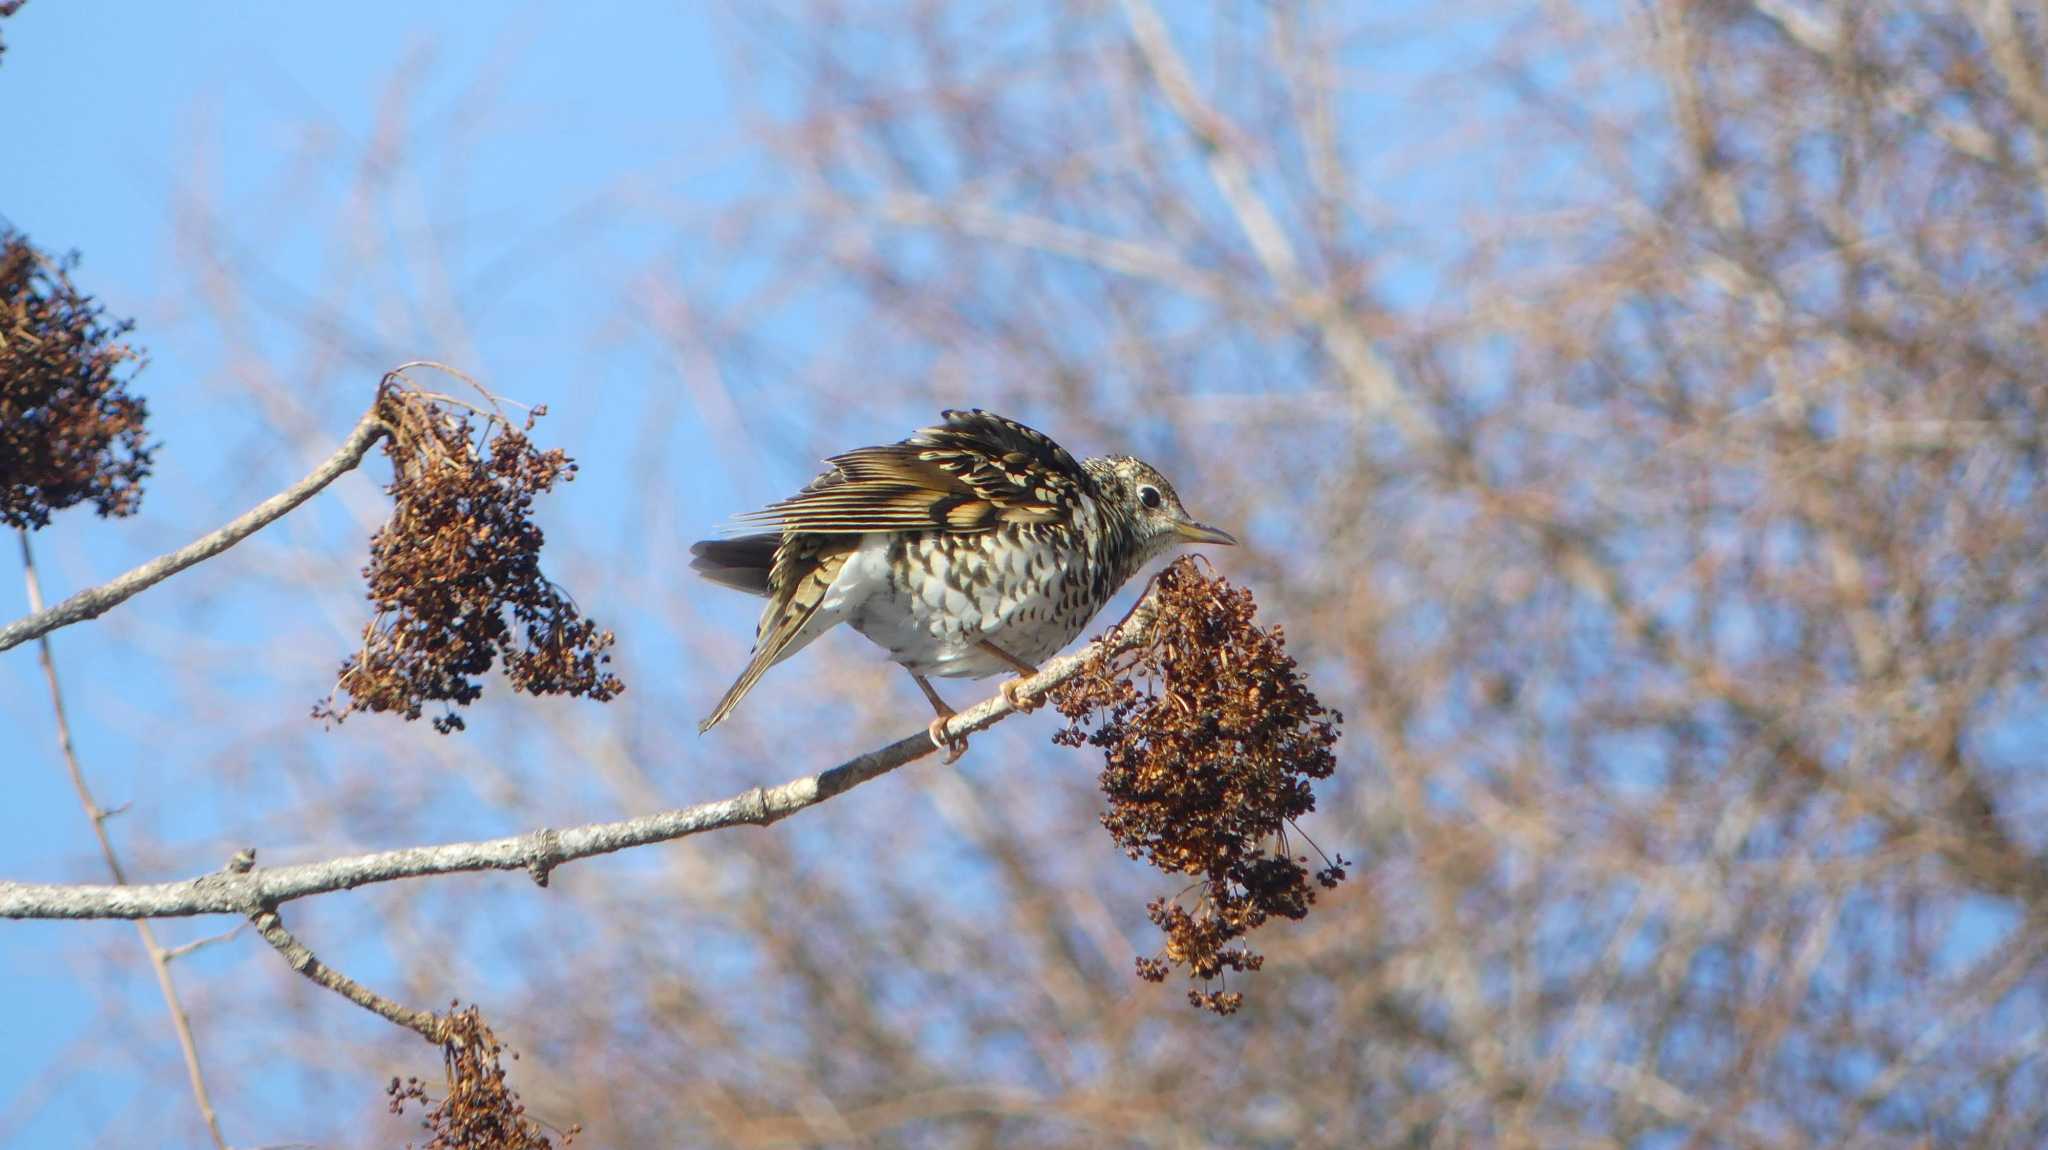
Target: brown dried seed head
pixel 478 1111
pixel 1204 766
pixel 69 431
pixel 8 8
pixel 455 573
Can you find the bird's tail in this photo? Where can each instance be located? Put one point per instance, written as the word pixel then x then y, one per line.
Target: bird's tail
pixel 807 569
pixel 741 564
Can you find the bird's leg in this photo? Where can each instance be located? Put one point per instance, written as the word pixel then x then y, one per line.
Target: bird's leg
pixel 1011 686
pixel 953 749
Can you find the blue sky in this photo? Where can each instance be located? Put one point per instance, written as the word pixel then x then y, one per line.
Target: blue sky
pixel 115 115
pixel 557 156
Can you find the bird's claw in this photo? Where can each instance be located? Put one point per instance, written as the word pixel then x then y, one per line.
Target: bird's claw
pixel 1013 694
pixel 953 749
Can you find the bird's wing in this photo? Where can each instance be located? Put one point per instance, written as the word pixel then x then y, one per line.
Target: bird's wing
pixel 803 571
pixel 971 473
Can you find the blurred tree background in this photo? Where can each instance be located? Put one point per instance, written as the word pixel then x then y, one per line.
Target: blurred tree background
pixel 1633 411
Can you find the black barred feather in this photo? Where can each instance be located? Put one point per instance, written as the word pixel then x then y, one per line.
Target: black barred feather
pixel 974 472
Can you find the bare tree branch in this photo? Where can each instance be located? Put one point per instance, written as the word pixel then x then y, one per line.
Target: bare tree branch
pixel 1824 40
pixel 159 958
pixel 1368 371
pixel 96 601
pixel 252 891
pixel 173 953
pixel 303 960
pixel 1016 229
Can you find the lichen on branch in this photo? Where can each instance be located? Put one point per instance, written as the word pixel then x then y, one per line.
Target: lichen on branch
pixel 1211 740
pixel 455 573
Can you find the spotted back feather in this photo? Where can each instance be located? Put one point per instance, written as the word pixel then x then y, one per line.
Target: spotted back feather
pixel 973 472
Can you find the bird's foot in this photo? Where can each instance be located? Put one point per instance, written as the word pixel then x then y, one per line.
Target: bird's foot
pixel 1013 689
pixel 954 749
pixel 1013 694
pixel 937 730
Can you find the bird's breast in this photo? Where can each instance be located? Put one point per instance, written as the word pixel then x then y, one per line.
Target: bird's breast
pixel 932 599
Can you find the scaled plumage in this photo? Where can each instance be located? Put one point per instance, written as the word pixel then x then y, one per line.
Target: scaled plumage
pixel 971 548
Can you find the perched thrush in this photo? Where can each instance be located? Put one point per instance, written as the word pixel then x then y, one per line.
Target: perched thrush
pixel 971 548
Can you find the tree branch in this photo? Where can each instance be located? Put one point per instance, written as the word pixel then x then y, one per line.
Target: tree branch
pixel 252 891
pixel 173 953
pixel 1034 233
pixel 303 960
pixel 159 958
pixel 96 601
pixel 1370 375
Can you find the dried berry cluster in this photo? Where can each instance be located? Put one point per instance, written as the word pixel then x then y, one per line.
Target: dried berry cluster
pixel 8 8
pixel 69 431
pixel 1211 738
pixel 479 1112
pixel 455 574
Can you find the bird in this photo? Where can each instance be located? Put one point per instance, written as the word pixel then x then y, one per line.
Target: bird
pixel 973 547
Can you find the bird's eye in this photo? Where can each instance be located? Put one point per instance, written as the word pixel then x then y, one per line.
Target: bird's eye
pixel 1149 496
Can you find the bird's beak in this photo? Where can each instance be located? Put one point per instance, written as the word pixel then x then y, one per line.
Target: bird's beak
pixel 1195 532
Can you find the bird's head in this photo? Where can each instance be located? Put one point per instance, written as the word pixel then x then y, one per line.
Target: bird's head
pixel 1143 497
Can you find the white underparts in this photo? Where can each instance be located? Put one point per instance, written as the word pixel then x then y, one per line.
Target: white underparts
pixel 934 610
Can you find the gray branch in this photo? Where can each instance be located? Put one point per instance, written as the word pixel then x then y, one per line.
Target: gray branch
pixel 253 891
pixel 303 960
pixel 96 601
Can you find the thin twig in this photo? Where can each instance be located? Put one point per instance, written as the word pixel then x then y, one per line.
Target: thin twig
pixel 1917 104
pixel 172 954
pixel 96 601
pixel 1125 257
pixel 159 960
pixel 271 927
pixel 1368 372
pixel 251 891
